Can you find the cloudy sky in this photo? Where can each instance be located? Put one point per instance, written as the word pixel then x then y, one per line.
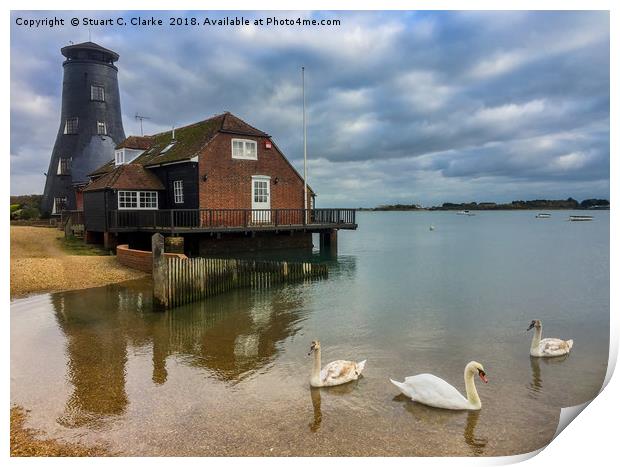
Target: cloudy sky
pixel 403 107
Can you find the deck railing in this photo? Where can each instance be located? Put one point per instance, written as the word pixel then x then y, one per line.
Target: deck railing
pixel 76 217
pixel 200 219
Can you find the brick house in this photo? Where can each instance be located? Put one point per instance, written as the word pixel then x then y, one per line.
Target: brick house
pixel 214 183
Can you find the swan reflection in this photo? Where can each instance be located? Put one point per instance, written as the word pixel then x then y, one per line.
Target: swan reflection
pixel 536 385
pixel 477 444
pixel 315 395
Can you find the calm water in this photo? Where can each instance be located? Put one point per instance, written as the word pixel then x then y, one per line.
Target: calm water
pixel 230 375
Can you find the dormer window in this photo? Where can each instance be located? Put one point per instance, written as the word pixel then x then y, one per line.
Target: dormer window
pixel 244 149
pixel 101 128
pixel 71 126
pixel 97 93
pixel 119 156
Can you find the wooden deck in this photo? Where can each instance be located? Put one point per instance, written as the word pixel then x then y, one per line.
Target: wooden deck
pixel 229 220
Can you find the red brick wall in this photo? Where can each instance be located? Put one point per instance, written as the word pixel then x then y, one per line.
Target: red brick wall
pixel 138 259
pixel 229 181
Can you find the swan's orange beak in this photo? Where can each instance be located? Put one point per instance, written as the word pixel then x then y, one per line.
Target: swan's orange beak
pixel 483 376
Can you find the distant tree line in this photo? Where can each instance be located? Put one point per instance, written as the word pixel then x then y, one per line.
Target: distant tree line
pixel 25 207
pixel 538 204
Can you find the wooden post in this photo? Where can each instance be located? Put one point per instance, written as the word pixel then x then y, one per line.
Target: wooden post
pixel 160 273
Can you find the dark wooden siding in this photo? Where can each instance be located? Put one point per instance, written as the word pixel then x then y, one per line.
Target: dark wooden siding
pixel 94 211
pixel 168 174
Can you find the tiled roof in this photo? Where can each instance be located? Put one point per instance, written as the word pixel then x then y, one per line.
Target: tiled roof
pixel 136 142
pixel 104 169
pixel 127 177
pixel 190 139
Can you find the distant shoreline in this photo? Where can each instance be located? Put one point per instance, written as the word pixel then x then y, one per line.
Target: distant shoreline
pixel 479 209
pixel 590 204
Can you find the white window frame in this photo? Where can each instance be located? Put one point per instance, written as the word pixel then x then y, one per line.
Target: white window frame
pixel 119 157
pixel 168 147
pixel 250 149
pixel 178 192
pixel 75 130
pixel 137 197
pixel 93 96
pixel 59 171
pixel 105 129
pixel 55 207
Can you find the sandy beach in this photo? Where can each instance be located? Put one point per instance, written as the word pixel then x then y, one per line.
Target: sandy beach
pixel 40 264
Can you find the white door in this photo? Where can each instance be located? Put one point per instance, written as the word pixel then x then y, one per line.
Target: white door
pixel 261 199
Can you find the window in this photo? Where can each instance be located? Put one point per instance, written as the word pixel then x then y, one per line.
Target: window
pixel 97 93
pixel 167 148
pixel 64 166
pixel 178 191
pixel 71 126
pixel 148 200
pixel 137 200
pixel 119 157
pixel 260 191
pixel 101 129
pixel 244 149
pixel 127 200
pixel 60 204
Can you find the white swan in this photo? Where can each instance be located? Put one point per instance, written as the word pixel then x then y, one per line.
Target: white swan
pixel 334 373
pixel 548 347
pixel 431 390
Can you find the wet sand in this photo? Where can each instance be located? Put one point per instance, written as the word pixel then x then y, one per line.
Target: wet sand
pixel 26 442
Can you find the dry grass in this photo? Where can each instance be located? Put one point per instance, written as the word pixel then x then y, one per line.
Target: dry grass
pixel 26 442
pixel 40 264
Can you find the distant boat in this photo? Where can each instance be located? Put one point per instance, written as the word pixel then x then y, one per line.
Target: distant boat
pixel 466 212
pixel 580 218
pixel 543 215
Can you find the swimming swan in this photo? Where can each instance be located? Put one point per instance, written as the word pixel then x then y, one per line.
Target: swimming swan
pixel 431 390
pixel 549 347
pixel 334 373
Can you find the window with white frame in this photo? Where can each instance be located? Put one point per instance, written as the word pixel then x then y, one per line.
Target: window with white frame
pixel 60 204
pixel 261 188
pixel 64 166
pixel 168 147
pixel 101 129
pixel 127 200
pixel 119 156
pixel 97 93
pixel 244 149
pixel 71 126
pixel 137 200
pixel 148 200
pixel 178 191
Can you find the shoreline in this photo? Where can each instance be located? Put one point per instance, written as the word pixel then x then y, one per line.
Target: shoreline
pixel 30 442
pixel 39 264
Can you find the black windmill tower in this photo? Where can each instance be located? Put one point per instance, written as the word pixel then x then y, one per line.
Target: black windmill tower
pixel 90 124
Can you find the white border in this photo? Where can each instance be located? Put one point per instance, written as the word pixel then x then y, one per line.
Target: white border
pixel 592 439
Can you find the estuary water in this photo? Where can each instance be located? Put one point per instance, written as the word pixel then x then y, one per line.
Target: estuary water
pixel 229 375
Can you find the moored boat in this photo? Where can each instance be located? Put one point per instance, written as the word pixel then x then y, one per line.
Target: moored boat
pixel 543 215
pixel 466 212
pixel 580 218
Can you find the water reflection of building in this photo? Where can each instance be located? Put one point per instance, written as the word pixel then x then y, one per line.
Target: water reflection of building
pixel 96 356
pixel 231 336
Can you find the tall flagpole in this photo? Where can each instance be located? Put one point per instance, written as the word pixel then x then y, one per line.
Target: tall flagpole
pixel 303 93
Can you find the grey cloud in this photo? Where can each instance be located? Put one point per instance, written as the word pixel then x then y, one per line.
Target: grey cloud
pixel 395 100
